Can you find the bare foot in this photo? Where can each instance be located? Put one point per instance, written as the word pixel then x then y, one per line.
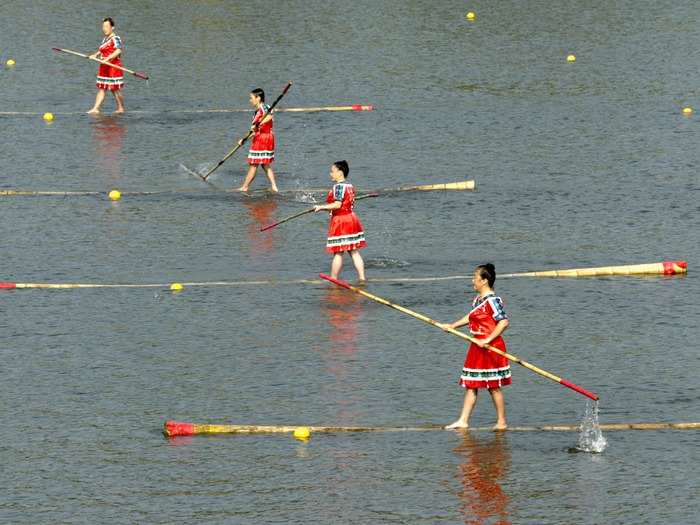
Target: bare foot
pixel 498 427
pixel 93 111
pixel 242 189
pixel 457 425
pixel 274 189
pixel 119 111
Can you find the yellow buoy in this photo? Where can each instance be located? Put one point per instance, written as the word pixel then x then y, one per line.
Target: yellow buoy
pixel 176 287
pixel 10 62
pixel 302 433
pixel 48 117
pixel 688 111
pixel 571 58
pixel 471 15
pixel 114 195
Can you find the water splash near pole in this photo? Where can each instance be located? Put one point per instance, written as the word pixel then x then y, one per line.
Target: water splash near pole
pixel 591 438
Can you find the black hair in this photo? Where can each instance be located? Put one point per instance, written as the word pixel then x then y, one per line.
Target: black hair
pixel 110 20
pixel 487 271
pixel 259 93
pixel 343 166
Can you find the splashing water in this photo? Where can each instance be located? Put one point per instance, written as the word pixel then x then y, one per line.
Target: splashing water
pixel 591 437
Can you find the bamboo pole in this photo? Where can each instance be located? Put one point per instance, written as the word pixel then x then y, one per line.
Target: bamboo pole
pixel 659 268
pixel 177 428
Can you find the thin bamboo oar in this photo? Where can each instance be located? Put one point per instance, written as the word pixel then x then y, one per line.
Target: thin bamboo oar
pixel 464 336
pixel 177 428
pixel 248 135
pixel 660 268
pixel 310 210
pixel 144 76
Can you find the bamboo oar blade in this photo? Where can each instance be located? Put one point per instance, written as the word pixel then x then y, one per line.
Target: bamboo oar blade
pixel 659 268
pixel 173 429
pixel 464 336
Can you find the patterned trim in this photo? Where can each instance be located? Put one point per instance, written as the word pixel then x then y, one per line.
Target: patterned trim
pixel 491 374
pixel 110 80
pixel 264 154
pixel 496 303
pixel 340 240
pixel 340 189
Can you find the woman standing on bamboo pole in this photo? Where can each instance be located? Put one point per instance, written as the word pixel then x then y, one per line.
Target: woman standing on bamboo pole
pixel 487 320
pixel 109 78
pixel 262 149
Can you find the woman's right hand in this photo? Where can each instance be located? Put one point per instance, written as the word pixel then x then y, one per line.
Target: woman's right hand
pixel 445 326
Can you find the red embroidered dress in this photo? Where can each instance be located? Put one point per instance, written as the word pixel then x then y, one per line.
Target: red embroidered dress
pixel 109 77
pixel 345 230
pixel 262 149
pixel 483 368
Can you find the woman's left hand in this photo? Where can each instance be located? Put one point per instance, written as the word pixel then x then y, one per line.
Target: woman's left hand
pixel 481 343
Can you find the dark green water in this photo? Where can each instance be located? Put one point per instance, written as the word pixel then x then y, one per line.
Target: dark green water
pixel 583 164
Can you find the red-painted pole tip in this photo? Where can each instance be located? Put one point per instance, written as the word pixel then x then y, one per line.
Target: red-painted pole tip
pixel 360 107
pixel 177 428
pixel 580 390
pixel 675 267
pixel 7 285
pixel 334 281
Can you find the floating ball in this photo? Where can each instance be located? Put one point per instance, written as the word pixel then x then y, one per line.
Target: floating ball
pixel 571 58
pixel 176 287
pixel 114 195
pixel 302 433
pixel 471 15
pixel 688 111
pixel 10 62
pixel 48 117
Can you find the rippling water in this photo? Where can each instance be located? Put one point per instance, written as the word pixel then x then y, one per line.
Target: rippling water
pixel 581 164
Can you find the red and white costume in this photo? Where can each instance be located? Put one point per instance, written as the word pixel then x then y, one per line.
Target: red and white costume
pixel 262 149
pixel 345 230
pixel 109 77
pixel 483 368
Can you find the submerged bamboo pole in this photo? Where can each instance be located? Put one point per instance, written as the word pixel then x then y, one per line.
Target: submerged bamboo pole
pixel 178 428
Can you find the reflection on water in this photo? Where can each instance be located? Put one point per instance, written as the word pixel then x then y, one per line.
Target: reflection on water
pixel 108 135
pixel 485 463
pixel 343 312
pixel 262 213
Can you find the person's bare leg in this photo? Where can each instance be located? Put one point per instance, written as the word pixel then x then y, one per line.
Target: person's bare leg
pixel 99 98
pixel 271 176
pixel 119 98
pixel 359 264
pixel 500 404
pixel 336 265
pixel 469 401
pixel 249 177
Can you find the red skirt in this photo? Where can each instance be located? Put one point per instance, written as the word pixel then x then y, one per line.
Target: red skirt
pixel 484 368
pixel 109 78
pixel 262 149
pixel 345 233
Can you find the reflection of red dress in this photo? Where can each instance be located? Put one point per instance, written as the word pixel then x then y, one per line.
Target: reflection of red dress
pixel 108 77
pixel 345 230
pixel 483 368
pixel 262 149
